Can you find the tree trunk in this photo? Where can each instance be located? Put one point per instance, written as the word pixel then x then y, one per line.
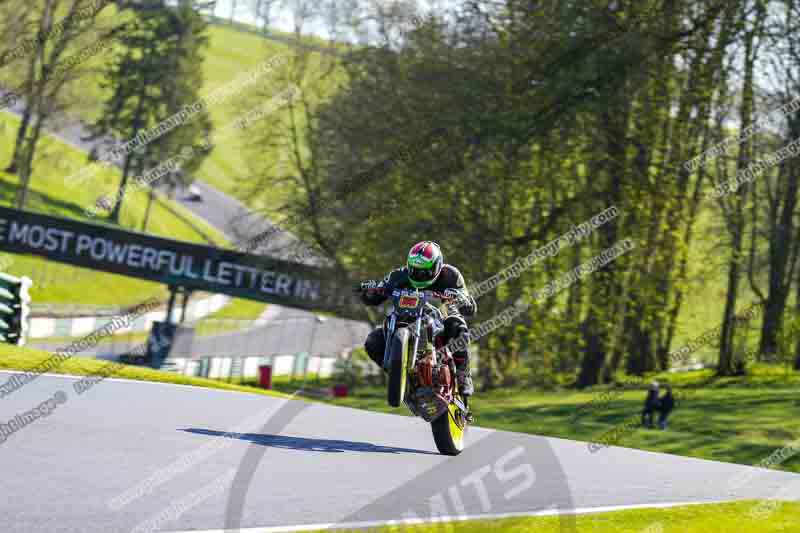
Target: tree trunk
pixel 25 120
pixel 779 257
pixel 115 213
pixel 26 168
pixel 150 196
pixel 735 216
pixel 126 168
pixel 726 366
pixel 797 347
pixel 591 372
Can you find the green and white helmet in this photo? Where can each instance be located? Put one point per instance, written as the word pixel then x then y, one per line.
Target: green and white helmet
pixel 424 264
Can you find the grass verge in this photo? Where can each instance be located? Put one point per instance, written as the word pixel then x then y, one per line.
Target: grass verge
pixel 726 517
pixel 17 358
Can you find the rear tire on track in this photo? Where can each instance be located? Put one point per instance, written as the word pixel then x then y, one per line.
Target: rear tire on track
pixel 447 434
pixel 398 361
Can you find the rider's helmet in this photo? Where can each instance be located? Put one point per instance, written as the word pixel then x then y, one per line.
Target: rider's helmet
pixel 424 264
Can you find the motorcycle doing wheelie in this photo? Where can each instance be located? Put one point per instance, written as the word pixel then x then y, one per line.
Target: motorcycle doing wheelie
pixel 420 366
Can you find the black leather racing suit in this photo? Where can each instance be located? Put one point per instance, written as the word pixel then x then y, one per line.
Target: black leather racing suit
pixel 455 325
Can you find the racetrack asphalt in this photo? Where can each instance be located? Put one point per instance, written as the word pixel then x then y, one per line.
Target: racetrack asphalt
pixel 129 456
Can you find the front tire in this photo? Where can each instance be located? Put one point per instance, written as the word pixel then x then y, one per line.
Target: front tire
pixel 398 371
pixel 448 431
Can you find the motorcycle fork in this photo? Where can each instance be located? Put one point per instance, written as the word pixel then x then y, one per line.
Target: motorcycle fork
pixel 388 333
pixel 417 333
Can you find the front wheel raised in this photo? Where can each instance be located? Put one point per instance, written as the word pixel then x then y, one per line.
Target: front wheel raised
pixel 448 431
pixel 398 367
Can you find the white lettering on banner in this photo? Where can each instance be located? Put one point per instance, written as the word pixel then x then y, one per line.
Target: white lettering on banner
pixel 118 252
pixel 99 255
pixel 67 235
pixel 150 258
pixel 267 278
pixel 309 291
pixel 224 273
pixel 37 237
pixel 253 276
pixel 206 271
pixel 52 243
pixel 164 259
pixel 282 285
pixel 134 259
pixel 84 242
pixel 18 234
pixel 138 256
pixel 33 240
pixel 175 268
pixel 239 273
pixel 188 263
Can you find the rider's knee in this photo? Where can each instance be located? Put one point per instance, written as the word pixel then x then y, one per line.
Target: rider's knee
pixel 456 327
pixel 375 344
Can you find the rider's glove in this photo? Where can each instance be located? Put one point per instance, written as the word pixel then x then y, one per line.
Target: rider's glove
pixel 366 286
pixel 369 284
pixel 453 295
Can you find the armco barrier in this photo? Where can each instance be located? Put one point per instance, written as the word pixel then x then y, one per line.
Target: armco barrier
pixel 282 365
pixel 41 327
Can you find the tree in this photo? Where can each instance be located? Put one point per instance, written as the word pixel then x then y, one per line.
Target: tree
pixel 775 193
pixel 153 83
pixel 733 205
pixel 49 66
pixel 184 143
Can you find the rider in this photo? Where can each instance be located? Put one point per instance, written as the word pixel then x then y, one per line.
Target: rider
pixel 425 269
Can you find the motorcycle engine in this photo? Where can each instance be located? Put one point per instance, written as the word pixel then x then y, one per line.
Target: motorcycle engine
pixel 433 375
pixel 426 370
pixel 441 376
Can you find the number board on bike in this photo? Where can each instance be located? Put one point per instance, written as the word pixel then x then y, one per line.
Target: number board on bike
pixel 409 302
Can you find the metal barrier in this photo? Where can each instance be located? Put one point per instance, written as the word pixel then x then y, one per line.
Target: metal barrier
pixel 230 349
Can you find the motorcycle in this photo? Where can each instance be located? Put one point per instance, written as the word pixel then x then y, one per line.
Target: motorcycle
pixel 420 367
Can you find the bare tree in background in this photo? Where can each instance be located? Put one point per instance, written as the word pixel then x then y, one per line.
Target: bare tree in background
pixel 774 208
pixel 48 69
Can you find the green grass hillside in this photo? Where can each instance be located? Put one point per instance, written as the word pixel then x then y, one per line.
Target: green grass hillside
pixel 231 53
pixel 60 284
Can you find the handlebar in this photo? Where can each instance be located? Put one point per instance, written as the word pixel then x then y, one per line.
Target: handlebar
pixel 370 286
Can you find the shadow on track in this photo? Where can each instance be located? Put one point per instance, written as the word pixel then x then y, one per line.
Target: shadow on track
pixel 307 444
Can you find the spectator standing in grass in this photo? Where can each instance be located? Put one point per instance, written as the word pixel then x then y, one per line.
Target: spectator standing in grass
pixel 666 404
pixel 651 405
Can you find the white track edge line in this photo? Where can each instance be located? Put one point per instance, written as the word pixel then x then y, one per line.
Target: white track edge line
pixel 164 383
pixel 422 521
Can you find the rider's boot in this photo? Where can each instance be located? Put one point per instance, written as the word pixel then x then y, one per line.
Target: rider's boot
pixel 464 378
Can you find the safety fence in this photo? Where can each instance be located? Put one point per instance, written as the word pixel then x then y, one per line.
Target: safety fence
pixel 79 324
pixel 230 349
pixel 234 368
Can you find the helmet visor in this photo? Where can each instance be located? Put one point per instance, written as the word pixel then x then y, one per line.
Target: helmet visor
pixel 421 275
